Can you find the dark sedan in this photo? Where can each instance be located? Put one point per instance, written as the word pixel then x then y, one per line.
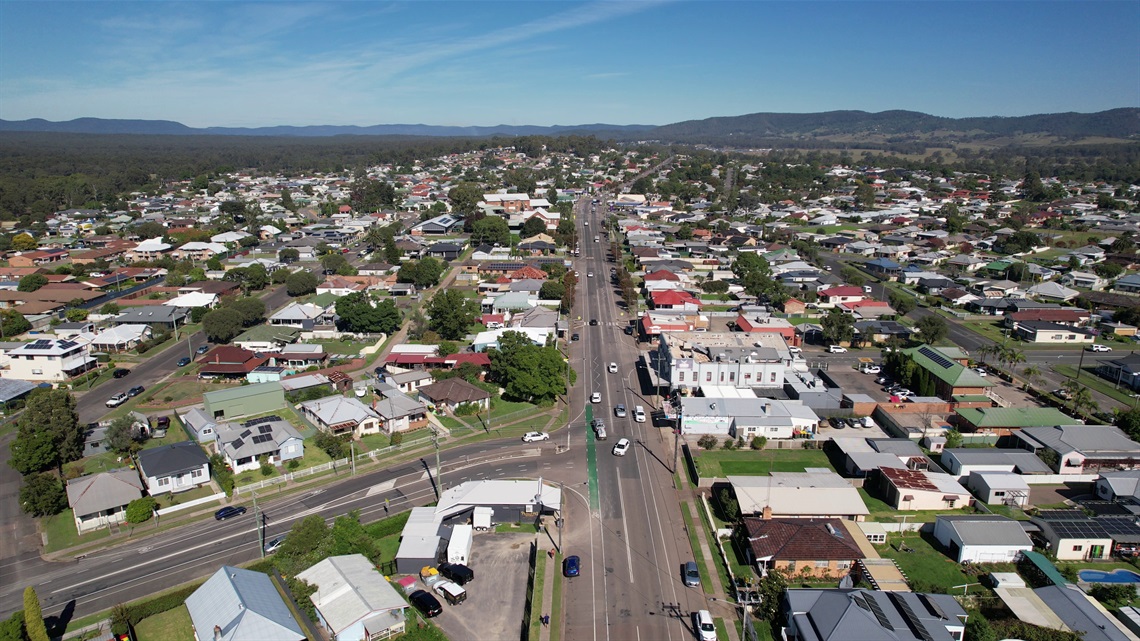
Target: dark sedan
pixel 184 361
pixel 228 511
pixel 202 350
pixel 571 566
pixel 135 391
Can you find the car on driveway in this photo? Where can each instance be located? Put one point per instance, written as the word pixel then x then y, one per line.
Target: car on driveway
pixel 596 397
pixel 571 566
pixel 836 349
pixel 621 447
pixel 838 423
pixel 531 437
pixel 1096 347
pixel 116 400
pixel 426 603
pixel 228 511
pixel 184 361
pixel 980 371
pixel 135 391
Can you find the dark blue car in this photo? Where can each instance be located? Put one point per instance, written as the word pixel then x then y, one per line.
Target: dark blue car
pixel 228 511
pixel 183 362
pixel 571 566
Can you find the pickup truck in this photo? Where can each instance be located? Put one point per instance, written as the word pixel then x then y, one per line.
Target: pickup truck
pixel 117 400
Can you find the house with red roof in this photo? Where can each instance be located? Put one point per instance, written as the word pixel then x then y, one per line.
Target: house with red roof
pixel 821 547
pixel 227 361
pixel 844 294
pixel 528 273
pixel 868 308
pixel 653 324
pixel 794 306
pixel 756 324
pixel 674 300
pixel 662 274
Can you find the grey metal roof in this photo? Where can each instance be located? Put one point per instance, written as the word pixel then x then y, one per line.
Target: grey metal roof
pixel 842 615
pixel 1078 612
pixel 104 491
pixel 1086 439
pixel 987 530
pixel 1025 462
pixel 241 441
pixel 244 605
pixel 12 388
pixel 172 459
pixel 349 589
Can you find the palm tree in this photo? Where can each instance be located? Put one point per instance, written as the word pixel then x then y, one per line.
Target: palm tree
pixel 987 350
pixel 1072 387
pixel 1031 374
pixel 1083 399
pixel 1014 357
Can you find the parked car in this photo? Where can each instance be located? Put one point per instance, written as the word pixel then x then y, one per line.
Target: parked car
pixel 228 511
pixel 426 603
pixel 184 361
pixel 838 423
pixel 1062 394
pixel 272 546
pixel 202 349
pixel 457 572
pixel 596 397
pixel 451 592
pixel 870 369
pixel 904 393
pixel 117 400
pixel 690 574
pixel 703 621
pixel 836 349
pixel 621 447
pixel 883 380
pixel 531 437
pixel 639 414
pixel 1097 347
pixel 619 411
pixel 980 371
pixel 571 566
pixel 135 391
pixel 120 372
pixel 795 350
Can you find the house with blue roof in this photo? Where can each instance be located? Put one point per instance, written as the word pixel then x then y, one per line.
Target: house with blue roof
pixel 884 267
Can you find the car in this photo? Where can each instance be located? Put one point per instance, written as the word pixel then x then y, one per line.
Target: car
pixel 1062 394
pixel 229 511
pixel 531 437
pixel 120 372
pixel 795 350
pixel 593 322
pixel 117 400
pixel 450 591
pixel 690 575
pixel 981 371
pixel 703 622
pixel 619 411
pixel 589 274
pixel 838 423
pixel 586 223
pixel 836 349
pixel 883 380
pixel 827 268
pixel 612 368
pixel 596 397
pixel 866 289
pixel 571 566
pixel 574 338
pixel 457 573
pixel 184 361
pixel 621 447
pixel 426 603
pixel 639 414
pixel 628 330
pixel 272 546
pixel 1096 347
pixel 870 369
pixel 135 391
pixel 904 393
pixel 202 349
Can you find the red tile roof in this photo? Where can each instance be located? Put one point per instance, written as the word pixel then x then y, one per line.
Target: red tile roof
pixel 662 274
pixel 801 540
pixel 845 290
pixel 672 297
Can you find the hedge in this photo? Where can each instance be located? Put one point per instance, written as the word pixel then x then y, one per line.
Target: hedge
pixel 130 615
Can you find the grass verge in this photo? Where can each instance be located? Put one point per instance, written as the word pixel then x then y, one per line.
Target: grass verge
pixel 556 601
pixel 706 579
pixel 536 597
pixel 1092 381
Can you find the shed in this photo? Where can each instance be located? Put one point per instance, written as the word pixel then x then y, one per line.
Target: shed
pixel 1002 488
pixel 245 400
pixel 981 538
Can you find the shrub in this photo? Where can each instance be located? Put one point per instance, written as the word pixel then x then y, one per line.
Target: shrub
pixel 728 443
pixel 294 464
pixel 222 474
pixel 758 442
pixel 266 468
pixel 707 442
pixel 397 438
pixel 467 409
pixel 167 399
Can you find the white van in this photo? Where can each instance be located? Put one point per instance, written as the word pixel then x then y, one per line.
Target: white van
pixel 639 414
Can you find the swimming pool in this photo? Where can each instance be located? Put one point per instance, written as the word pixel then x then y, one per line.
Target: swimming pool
pixel 1116 576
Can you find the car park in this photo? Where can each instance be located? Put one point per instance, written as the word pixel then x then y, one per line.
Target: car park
pixel 273 544
pixel 116 400
pixel 596 397
pixel 619 411
pixel 612 368
pixel 621 447
pixel 427 604
pixel 531 437
pixel 228 512
pixel 571 566
pixel 836 349
pixel 1095 347
pixel 120 372
pixel 184 361
pixel 135 391
pixel 690 575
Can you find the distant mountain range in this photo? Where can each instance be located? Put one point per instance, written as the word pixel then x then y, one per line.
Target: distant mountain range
pixel 832 127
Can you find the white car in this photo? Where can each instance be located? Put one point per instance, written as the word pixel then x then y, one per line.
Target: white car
pixel 531 437
pixel 596 397
pixel 795 350
pixel 1099 348
pixel 589 274
pixel 836 349
pixel 870 369
pixel 117 400
pixel 621 447
pixel 981 372
pixel 612 368
pixel 904 393
pixel 703 623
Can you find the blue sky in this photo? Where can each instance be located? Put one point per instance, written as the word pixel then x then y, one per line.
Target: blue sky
pixel 542 63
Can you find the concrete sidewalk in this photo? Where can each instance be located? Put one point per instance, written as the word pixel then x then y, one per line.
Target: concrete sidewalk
pixel 721 605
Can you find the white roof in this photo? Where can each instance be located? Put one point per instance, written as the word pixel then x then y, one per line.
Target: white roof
pixel 118 335
pixel 152 245
pixel 227 237
pixel 496 492
pixel 193 299
pixel 334 410
pixel 349 589
pixel 301 382
pixel 298 311
pixel 798 493
pixel 195 246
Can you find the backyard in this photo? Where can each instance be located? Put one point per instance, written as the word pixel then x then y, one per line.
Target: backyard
pixel 923 564
pixel 721 463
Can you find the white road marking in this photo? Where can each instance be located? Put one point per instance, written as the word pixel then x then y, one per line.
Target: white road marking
pixel 381 487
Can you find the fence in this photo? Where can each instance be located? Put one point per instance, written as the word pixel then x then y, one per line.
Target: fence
pixel 291 476
pixel 189 504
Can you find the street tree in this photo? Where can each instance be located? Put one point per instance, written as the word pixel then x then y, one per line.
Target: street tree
pixel 52 411
pixel 333 262
pixel 288 255
pixel 838 326
pixel 222 325
pixel 526 371
pixel 251 309
pixel 902 303
pixel 301 283
pixel 932 329
pixel 451 313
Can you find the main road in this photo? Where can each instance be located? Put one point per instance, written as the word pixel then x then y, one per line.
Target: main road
pixel 635 547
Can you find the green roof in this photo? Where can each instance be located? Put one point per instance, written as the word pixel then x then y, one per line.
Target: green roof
pixel 1015 416
pixel 324 300
pixel 1046 566
pixel 277 333
pixel 999 265
pixel 940 362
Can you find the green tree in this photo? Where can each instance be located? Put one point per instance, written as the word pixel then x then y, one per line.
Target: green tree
pixel 865 195
pixel 256 277
pixel 392 252
pixel 526 371
pixel 32 282
pixel 32 451
pixel 902 303
pixel 932 329
pixel 1104 270
pixel 76 314
pixel 852 276
pixel 13 629
pixel 532 227
pixel 714 286
pixel 953 438
pixel 34 616
pixel 222 325
pixel 552 290
pixel 24 242
pixel 13 323
pixel 305 537
pixel 1129 422
pixel 141 510
pixel 52 412
pixel 333 262
pixel 838 326
pixel 109 309
pixel 358 313
pixel 1113 595
pixel 288 255
pixel 301 283
pixel 451 313
pixel 1018 272
pixel 492 231
pixel 213 263
pixel 978 628
pixel 250 309
pixel 122 437
pixel 464 198
pixel 771 589
pixel 42 494
pixel 150 230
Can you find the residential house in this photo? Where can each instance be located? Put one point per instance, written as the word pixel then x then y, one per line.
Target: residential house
pixel 1080 449
pixel 835 295
pixel 160 315
pixel 451 393
pixel 675 300
pixel 354 600
pixel 198 251
pixel 832 614
pixel 340 286
pixel 398 412
pixel 444 251
pixel 819 548
pixel 151 249
pixel 1084 280
pixel 226 361
pixel 1076 611
pixel 999 488
pixel 200 425
pixel 1127 284
pixel 981 538
pixel 243 445
pixel 962 462
pixel 921 490
pixel 409 381
pixel 444 224
pixel 1051 291
pixel 879 331
pixel 1042 332
pixel 304 316
pixel 118 339
pixel 1123 485
pixel 1121 371
pixel 820 494
pixel 174 468
pixel 48 360
pixel 881 267
pixel 267 338
pixel 342 415
pixel 239 605
pixel 1072 535
pixel 101 499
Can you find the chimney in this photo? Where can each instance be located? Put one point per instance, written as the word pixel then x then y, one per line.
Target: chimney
pixel 767 513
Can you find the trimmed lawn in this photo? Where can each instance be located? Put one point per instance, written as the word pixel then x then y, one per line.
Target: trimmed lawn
pixel 172 625
pixel 536 596
pixel 333 346
pixel 168 500
pixel 313 456
pixel 375 441
pixel 182 390
pixel 702 569
pixel 925 563
pixel 1091 380
pixel 556 601
pixel 720 463
pixel 880 511
pixel 510 410
pixel 61 532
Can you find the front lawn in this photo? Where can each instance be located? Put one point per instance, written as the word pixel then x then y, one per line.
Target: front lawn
pixel 721 463
pixel 61 532
pixel 172 625
pixel 313 456
pixel 333 346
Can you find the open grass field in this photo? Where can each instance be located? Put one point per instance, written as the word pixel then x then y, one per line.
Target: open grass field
pixel 720 463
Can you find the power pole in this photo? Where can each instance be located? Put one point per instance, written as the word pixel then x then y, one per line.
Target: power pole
pixel 435 443
pixel 260 526
pixel 352 454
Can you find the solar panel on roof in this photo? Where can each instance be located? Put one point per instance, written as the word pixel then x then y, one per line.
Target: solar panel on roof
pixel 237 443
pixel 265 429
pixel 937 358
pixel 931 605
pixel 67 344
pixel 911 618
pixel 877 610
pixel 262 438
